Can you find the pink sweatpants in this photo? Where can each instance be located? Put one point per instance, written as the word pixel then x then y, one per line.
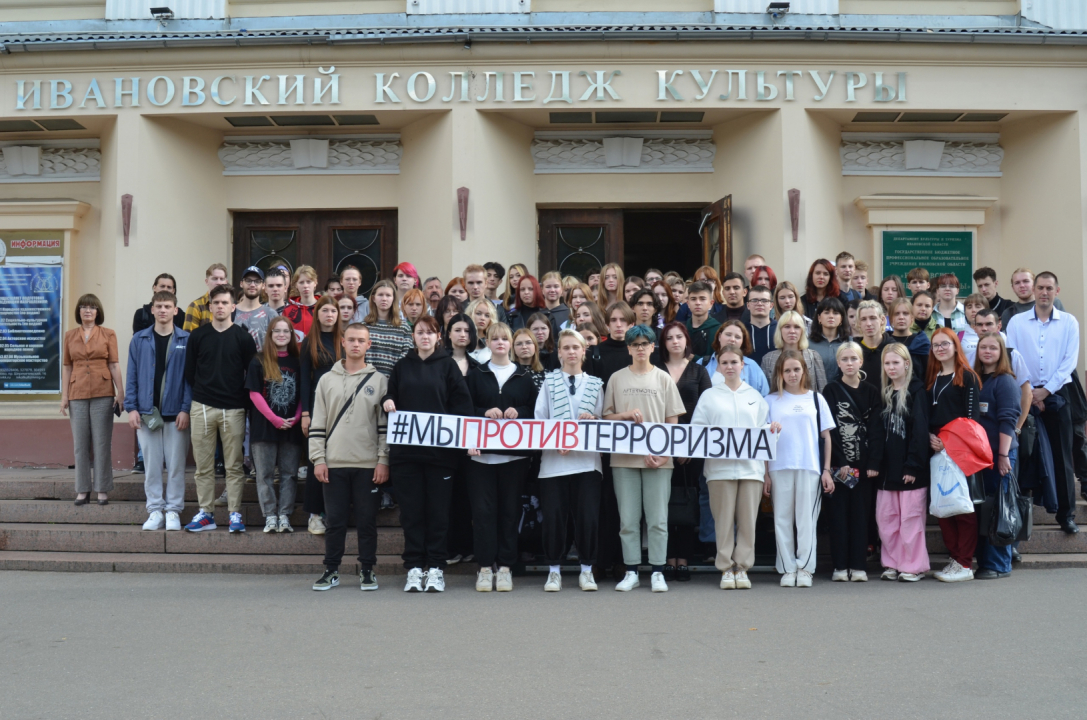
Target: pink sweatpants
pixel 901 515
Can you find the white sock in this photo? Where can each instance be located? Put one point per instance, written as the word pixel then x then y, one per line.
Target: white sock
pixel 587 568
pixel 554 568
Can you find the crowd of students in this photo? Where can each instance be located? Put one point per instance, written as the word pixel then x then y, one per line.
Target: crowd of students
pixel 859 386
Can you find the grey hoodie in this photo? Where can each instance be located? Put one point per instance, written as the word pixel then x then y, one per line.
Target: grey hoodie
pixel 359 439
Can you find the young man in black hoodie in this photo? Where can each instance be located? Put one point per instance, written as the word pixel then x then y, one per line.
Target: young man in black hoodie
pixel 145 316
pixel 428 380
pixel 614 355
pixel 216 362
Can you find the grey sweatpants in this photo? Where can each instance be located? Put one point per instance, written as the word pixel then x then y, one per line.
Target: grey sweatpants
pixel 266 455
pixel 169 445
pixel 92 432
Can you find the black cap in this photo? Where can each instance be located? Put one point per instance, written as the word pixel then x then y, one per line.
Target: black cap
pixel 254 270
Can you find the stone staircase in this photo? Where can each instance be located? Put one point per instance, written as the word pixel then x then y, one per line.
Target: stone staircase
pixel 40 529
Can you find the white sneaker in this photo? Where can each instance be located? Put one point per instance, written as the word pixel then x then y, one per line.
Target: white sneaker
pixel 503 581
pixel 840 576
pixel 435 580
pixel 858 576
pixel 554 582
pixel 285 524
pixel 958 574
pixel 629 582
pixel 889 574
pixel 484 580
pixel 910 577
pixel 221 501
pixel 271 524
pixel 728 580
pixel 454 560
pixel 803 578
pixel 586 581
pixel 415 580
pixel 657 582
pixel 950 569
pixel 173 520
pixel 316 525
pixel 155 521
pixel 742 581
pixel 788 580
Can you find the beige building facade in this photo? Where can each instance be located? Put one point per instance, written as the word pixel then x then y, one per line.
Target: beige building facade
pixel 326 133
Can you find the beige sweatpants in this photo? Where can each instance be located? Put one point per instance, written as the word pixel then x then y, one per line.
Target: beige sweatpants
pixel 735 505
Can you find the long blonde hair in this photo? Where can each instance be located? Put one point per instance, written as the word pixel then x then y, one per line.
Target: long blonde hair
pixel 779 371
pixel 901 404
pixel 602 298
pixel 791 317
pixel 534 364
pixel 394 315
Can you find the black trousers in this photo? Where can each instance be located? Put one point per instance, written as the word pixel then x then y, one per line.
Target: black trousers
pixel 313 492
pixel 1058 425
pixel 460 513
pixel 609 552
pixel 347 486
pixel 683 539
pixel 565 495
pixel 423 491
pixel 1079 452
pixel 849 510
pixel 495 494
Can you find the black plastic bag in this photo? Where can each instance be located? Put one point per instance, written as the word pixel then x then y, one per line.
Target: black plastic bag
pixel 1006 522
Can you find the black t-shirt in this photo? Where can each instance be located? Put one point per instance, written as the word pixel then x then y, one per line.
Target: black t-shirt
pixel 216 363
pixel 161 343
pixel 282 397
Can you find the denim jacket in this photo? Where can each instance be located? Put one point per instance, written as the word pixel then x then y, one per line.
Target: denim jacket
pixel 139 392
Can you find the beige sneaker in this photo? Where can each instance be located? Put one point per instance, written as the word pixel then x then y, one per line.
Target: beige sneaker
pixel 484 580
pixel 503 581
pixel 728 580
pixel 316 525
pixel 586 581
pixel 858 576
pixel 742 581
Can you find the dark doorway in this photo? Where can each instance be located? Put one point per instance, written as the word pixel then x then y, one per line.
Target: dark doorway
pixel 668 240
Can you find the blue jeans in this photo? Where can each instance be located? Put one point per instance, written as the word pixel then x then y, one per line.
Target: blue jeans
pixel 991 557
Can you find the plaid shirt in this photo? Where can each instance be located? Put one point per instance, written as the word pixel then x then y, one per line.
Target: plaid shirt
pixel 199 313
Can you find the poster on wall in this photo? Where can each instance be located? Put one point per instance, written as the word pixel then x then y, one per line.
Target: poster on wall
pixel 31 274
pixel 938 251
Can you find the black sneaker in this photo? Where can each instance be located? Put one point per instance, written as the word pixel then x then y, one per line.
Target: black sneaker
pixel 1016 557
pixel 329 580
pixel 387 502
pixel 138 467
pixel 367 580
pixel 220 469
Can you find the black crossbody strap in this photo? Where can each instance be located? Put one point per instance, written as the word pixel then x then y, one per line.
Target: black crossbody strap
pixel 347 404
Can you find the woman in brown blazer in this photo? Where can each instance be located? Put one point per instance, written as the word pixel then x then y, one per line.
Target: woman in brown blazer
pixel 90 387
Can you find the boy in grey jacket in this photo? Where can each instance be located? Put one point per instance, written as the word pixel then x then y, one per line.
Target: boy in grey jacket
pixel 349 454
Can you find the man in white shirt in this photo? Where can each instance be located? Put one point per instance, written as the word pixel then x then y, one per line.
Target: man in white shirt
pixel 1049 342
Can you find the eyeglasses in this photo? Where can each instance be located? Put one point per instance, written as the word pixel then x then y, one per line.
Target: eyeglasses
pixel 250 281
pixel 948 285
pixel 640 346
pixel 941 346
pixel 759 301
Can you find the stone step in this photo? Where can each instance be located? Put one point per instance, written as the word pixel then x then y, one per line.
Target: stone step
pixel 1044 540
pixel 387 565
pixel 86 538
pixel 131 512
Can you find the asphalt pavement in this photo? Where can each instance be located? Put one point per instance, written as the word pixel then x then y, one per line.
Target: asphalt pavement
pixel 115 645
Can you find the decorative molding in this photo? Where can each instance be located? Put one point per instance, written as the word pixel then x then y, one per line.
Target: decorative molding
pixel 467 7
pixel 31 162
pixel 356 155
pixel 920 210
pixel 923 154
pixel 619 152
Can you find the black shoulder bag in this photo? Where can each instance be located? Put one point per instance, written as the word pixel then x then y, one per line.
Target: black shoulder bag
pixel 347 404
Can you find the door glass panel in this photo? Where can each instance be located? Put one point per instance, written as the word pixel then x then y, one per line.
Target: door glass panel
pixel 712 235
pixel 269 248
pixel 580 250
pixel 360 247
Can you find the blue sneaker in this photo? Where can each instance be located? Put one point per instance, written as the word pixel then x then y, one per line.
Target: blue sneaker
pixel 201 521
pixel 236 524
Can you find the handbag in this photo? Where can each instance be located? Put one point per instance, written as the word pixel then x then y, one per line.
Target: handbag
pixel 683 506
pixel 153 420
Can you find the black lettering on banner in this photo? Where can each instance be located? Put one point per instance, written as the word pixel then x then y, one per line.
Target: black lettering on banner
pixel 664 449
pixel 426 434
pixel 677 443
pixel 456 441
pixel 693 442
pixel 717 434
pixel 731 444
pixel 763 443
pixel 619 433
pixel 637 434
pixel 587 439
pixel 445 435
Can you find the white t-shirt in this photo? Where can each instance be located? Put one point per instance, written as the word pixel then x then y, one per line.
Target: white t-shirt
pixel 797 447
pixel 502 373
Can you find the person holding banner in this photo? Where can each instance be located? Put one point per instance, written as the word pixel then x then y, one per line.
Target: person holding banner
pixel 802 463
pixel 570 481
pixel 642 393
pixel 428 380
pixel 735 486
pixel 500 389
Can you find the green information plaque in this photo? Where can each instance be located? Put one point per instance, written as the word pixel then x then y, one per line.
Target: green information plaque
pixel 938 251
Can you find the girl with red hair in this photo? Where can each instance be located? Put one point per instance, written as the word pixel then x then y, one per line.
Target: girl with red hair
pixel 821 283
pixel 953 392
pixel 527 301
pixel 764 275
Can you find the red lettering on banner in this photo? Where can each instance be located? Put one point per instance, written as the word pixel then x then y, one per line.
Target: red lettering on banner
pixel 569 435
pixel 533 424
pixel 520 434
pixel 479 430
pixel 488 426
pixel 553 434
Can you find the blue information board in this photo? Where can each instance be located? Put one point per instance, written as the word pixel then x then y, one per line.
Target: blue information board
pixel 30 325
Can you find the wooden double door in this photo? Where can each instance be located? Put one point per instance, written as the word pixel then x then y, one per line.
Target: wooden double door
pixel 581 241
pixel 327 240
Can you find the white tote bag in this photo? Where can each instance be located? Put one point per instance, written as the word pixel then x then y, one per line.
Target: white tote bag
pixel 949 494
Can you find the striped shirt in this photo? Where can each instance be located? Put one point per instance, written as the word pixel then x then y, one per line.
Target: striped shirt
pixel 199 313
pixel 388 343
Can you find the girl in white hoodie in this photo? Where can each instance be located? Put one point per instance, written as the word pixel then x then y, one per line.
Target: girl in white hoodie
pixel 735 486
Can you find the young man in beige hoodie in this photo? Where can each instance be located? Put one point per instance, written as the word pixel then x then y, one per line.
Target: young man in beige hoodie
pixel 349 454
